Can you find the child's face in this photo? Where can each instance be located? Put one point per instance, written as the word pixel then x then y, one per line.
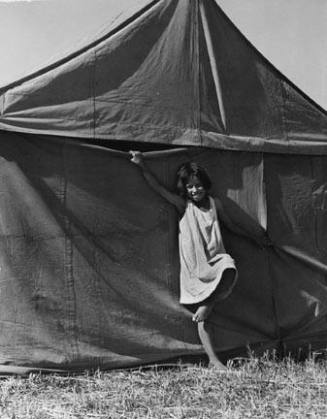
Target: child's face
pixel 195 190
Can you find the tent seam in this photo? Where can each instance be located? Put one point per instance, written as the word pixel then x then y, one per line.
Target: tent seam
pixel 93 83
pixel 197 43
pixel 68 267
pixel 213 67
pixel 269 268
pixel 283 92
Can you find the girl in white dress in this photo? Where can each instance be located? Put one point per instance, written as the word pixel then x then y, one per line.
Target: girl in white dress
pixel 207 273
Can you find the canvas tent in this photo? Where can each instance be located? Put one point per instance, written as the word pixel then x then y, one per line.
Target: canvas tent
pixel 89 258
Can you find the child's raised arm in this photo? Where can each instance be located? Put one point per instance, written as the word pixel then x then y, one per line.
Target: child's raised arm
pixel 176 200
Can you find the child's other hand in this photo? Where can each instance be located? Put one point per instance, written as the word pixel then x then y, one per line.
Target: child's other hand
pixel 137 157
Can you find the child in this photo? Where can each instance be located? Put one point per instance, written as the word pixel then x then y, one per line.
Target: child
pixel 208 274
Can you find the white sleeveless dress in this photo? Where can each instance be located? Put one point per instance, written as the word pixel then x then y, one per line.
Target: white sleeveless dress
pixel 203 257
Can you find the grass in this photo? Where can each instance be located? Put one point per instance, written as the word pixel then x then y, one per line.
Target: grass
pixel 261 388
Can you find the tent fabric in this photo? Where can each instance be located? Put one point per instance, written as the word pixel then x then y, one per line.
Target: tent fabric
pixel 177 72
pixel 89 255
pixel 89 266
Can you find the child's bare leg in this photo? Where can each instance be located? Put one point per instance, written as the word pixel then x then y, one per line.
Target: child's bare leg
pixel 205 329
pixel 205 334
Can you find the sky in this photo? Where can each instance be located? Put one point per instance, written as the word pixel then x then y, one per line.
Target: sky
pixel 292 34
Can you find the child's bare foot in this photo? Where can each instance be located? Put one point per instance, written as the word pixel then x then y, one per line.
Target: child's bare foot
pixel 202 313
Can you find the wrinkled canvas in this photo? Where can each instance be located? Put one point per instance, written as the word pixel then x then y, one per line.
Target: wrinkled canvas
pixel 89 255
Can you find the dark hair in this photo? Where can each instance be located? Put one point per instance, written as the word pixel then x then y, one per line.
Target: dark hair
pixel 188 171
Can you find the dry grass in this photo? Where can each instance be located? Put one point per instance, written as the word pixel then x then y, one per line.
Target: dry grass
pixel 260 389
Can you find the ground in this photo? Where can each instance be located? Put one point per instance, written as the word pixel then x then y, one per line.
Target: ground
pixel 252 388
